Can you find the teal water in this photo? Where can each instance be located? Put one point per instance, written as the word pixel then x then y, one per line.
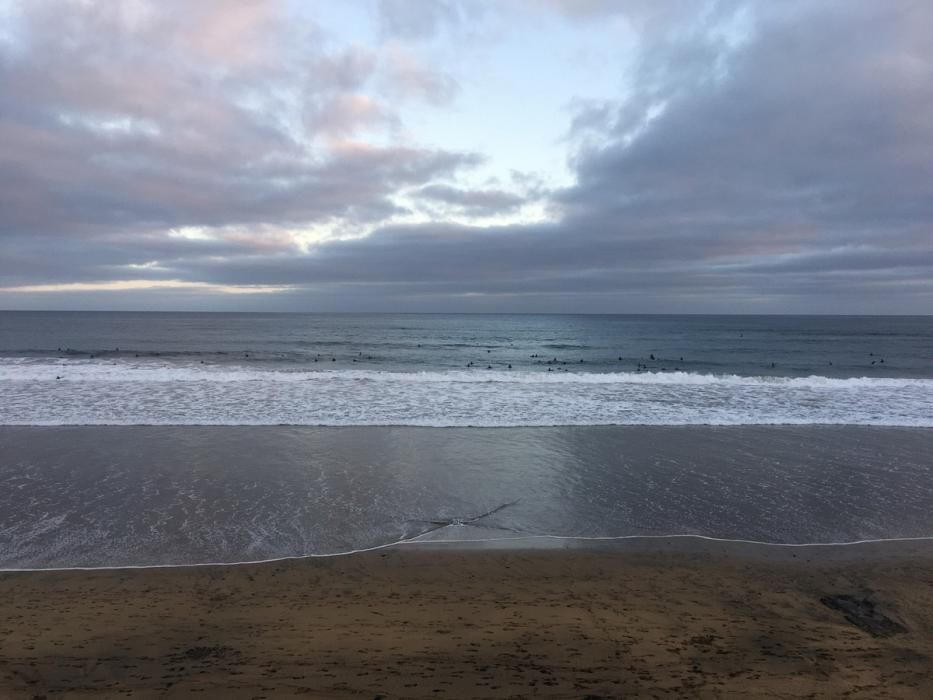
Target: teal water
pixel 463 370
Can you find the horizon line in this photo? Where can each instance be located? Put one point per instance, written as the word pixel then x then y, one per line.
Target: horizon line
pixel 467 313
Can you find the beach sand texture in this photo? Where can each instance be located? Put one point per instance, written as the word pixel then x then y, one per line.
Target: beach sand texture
pixel 683 620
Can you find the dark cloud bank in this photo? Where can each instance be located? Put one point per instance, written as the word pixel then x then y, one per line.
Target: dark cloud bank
pixel 782 165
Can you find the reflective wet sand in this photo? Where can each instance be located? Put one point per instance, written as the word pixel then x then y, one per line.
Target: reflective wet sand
pixel 112 496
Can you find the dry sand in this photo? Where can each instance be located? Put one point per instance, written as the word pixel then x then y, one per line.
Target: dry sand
pixel 676 619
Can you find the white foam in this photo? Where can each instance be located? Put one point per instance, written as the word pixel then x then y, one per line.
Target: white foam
pixel 124 392
pixel 26 369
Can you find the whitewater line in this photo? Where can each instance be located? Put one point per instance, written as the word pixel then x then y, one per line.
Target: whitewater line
pixel 78 371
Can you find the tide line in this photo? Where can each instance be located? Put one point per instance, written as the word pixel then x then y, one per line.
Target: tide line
pixel 418 541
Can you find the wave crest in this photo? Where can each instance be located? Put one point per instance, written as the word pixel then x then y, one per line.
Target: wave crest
pixel 85 392
pixel 26 370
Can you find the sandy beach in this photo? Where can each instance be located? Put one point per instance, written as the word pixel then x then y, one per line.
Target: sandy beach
pixel 668 618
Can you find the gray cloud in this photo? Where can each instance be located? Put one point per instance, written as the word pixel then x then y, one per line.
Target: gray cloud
pixel 783 164
pixel 190 117
pixel 473 202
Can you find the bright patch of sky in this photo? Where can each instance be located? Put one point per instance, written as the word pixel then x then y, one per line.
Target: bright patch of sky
pixel 10 39
pixel 518 73
pixel 128 285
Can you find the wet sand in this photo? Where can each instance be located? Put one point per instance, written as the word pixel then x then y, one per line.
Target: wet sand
pixel 668 618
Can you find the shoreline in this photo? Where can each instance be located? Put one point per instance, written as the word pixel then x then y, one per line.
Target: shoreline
pixel 690 617
pixel 743 548
pixel 120 496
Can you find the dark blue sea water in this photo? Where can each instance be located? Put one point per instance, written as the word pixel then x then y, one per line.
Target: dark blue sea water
pixel 463 370
pixel 783 346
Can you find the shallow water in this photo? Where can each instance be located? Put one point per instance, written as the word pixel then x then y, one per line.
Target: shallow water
pixel 107 496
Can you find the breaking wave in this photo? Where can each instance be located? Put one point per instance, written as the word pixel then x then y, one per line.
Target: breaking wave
pixel 108 392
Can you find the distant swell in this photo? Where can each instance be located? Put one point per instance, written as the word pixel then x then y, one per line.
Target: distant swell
pixel 123 392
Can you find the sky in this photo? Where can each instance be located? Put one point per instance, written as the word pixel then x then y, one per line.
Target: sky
pixel 639 156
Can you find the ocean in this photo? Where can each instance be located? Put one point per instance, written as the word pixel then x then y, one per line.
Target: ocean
pixel 463 370
pixel 179 438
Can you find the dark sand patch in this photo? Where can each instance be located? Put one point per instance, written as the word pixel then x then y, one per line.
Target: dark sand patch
pixel 683 620
pixel 864 614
